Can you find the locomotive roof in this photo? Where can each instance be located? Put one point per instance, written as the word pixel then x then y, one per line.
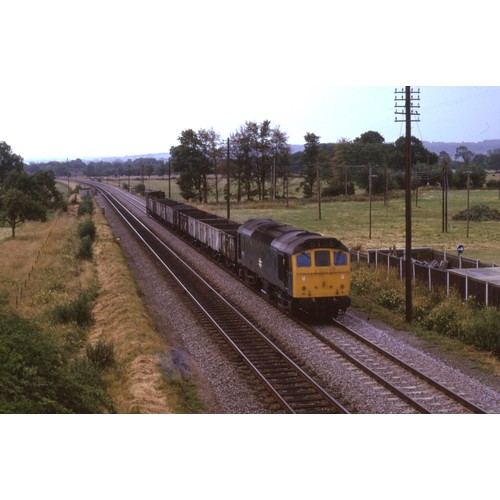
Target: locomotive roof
pixel 285 238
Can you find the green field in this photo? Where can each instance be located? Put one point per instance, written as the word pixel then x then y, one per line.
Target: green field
pixel 348 220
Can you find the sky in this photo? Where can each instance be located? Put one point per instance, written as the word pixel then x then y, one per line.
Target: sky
pixel 83 79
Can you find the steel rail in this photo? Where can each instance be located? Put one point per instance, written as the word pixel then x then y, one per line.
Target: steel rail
pixel 203 308
pixel 451 394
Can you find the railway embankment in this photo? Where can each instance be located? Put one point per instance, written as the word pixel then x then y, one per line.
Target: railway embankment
pixel 64 309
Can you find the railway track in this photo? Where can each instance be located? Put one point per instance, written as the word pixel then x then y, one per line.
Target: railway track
pixel 291 386
pixel 419 391
pixel 296 391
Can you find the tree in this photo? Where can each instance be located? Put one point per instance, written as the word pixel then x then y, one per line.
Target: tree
pixel 19 207
pixel 28 197
pixel 493 159
pixel 241 152
pixel 9 162
pixel 310 158
pixel 281 155
pixel 255 148
pixel 476 173
pixel 213 150
pixel 464 153
pixel 193 165
pixel 364 155
pixel 419 154
pixel 370 137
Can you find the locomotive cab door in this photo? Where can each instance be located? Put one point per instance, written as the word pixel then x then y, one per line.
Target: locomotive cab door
pixel 283 264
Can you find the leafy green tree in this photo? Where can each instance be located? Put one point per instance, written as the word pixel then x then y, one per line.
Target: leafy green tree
pixel 9 162
pixel 28 197
pixel 477 175
pixel 361 156
pixel 193 166
pixel 370 137
pixel 19 207
pixel 493 159
pixel 242 156
pixel 310 158
pixel 419 154
pixel 464 153
pixel 214 151
pixel 255 148
pixel 281 154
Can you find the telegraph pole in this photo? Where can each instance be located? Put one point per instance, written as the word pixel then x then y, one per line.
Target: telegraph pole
pixel 468 200
pixel 410 115
pixel 228 181
pixel 318 189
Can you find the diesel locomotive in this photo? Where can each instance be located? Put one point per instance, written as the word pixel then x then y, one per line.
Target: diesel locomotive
pixel 301 272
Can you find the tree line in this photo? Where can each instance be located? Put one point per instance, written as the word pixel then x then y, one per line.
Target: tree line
pixel 256 155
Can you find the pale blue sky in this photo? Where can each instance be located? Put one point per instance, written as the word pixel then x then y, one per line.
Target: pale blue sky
pixel 108 77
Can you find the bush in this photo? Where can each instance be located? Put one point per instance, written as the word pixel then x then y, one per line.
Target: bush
pixel 451 317
pixel 391 299
pixel 363 280
pixel 424 302
pixel 140 188
pixel 85 250
pixel 87 228
pixel 36 377
pixel 484 331
pixel 101 355
pixel 78 311
pixel 86 206
pixel 492 184
pixel 479 213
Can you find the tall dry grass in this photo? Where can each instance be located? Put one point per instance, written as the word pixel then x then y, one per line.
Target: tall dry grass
pixel 37 262
pixel 136 383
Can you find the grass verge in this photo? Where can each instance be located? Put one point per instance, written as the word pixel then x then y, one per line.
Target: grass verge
pixel 139 381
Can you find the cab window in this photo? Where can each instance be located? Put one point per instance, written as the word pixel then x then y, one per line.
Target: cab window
pixel 340 259
pixel 322 258
pixel 304 260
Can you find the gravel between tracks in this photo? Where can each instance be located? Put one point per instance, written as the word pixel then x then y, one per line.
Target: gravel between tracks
pixel 223 383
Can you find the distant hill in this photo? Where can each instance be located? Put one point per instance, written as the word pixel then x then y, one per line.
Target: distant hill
pixel 294 148
pixel 156 156
pixel 435 147
pixel 109 159
pixel 450 147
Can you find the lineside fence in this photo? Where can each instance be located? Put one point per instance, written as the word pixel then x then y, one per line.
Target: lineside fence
pixel 434 268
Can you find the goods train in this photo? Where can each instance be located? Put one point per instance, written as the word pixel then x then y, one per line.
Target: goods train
pixel 301 272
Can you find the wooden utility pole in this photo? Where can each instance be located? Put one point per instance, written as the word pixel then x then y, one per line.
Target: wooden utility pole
pixel 228 183
pixel 318 189
pixel 409 113
pixel 169 180
pixel 468 200
pixel 370 177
